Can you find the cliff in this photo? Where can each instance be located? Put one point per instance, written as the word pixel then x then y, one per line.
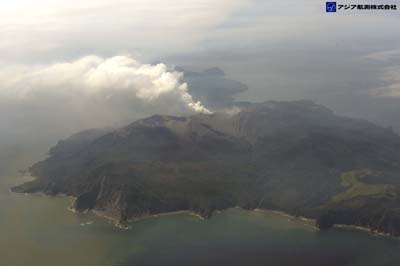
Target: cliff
pixel 297 157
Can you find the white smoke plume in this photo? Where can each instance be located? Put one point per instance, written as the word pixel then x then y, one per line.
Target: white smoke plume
pixel 44 103
pixel 100 78
pixel 89 92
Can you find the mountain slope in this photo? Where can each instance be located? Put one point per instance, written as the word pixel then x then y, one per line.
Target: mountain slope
pixel 289 156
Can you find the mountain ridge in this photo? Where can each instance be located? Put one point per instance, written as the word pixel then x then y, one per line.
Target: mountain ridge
pixel 287 156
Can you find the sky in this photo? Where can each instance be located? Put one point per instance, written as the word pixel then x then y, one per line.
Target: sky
pixel 68 65
pixel 293 46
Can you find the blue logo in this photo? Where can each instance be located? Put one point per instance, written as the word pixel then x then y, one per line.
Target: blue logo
pixel 330 6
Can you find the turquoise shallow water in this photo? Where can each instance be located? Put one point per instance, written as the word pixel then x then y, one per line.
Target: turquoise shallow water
pixel 40 231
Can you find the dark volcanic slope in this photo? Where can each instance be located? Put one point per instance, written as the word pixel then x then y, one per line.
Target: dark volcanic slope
pixel 293 156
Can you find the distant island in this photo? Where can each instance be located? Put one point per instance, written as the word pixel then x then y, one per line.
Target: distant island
pixel 297 157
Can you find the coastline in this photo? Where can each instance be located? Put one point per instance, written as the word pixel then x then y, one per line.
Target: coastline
pixel 306 221
pixel 364 229
pixel 312 222
pixel 125 224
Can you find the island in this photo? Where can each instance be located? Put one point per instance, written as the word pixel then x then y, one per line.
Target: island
pixel 297 157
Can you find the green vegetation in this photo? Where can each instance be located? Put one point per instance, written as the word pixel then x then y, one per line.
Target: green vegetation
pixel 357 188
pixel 282 156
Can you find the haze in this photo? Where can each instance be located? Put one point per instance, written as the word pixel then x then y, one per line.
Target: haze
pixel 280 50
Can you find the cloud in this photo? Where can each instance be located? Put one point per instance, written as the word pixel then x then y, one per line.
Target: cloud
pixel 384 56
pixel 88 92
pixel 282 50
pixel 391 77
pixel 388 74
pixel 40 104
pixel 43 30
